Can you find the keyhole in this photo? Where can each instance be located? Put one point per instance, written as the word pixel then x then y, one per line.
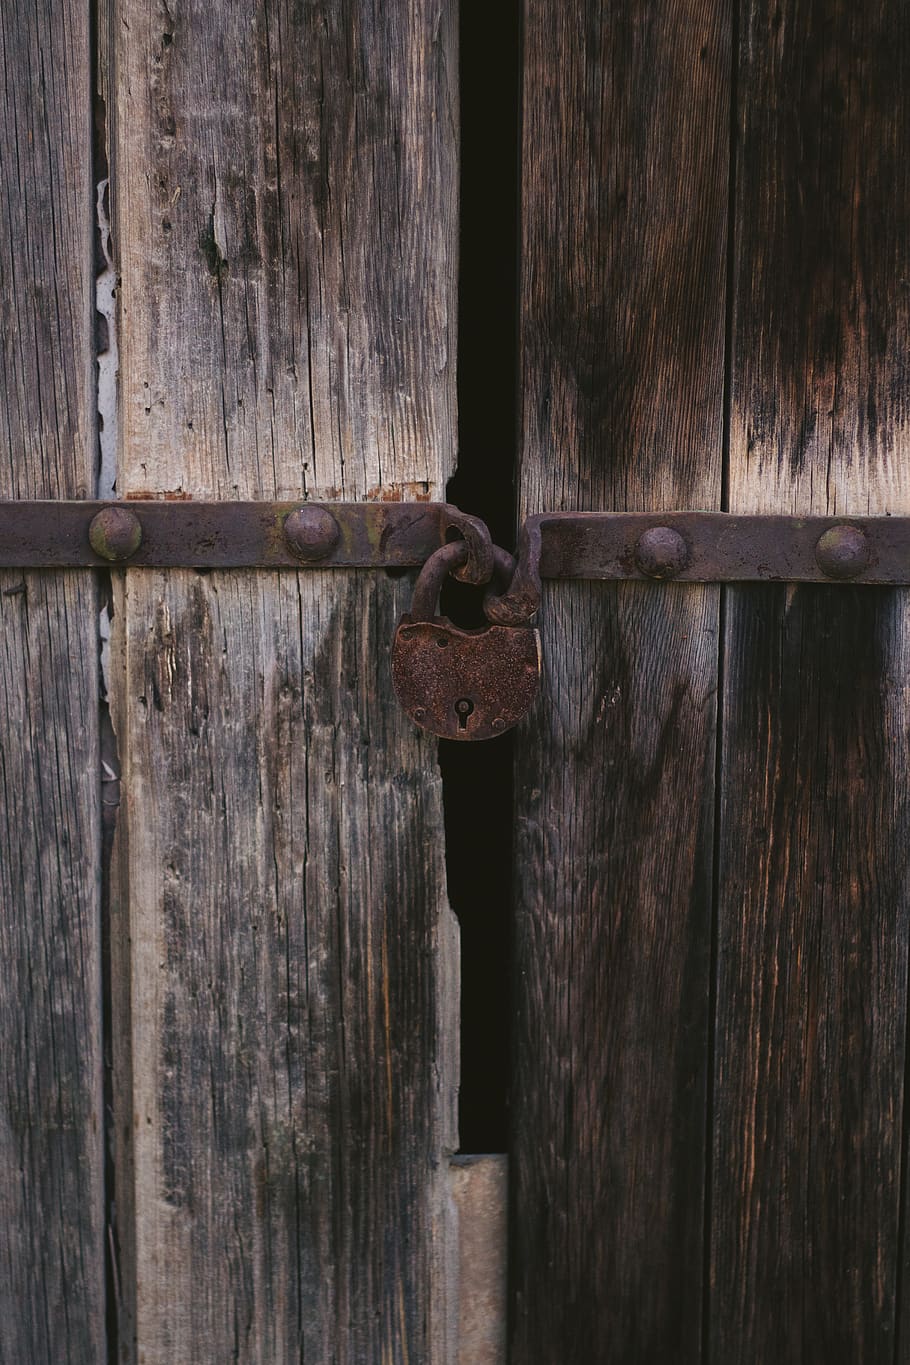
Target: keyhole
pixel 463 707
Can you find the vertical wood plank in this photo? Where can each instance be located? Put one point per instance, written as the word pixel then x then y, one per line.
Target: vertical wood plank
pixel 624 201
pixel 480 1193
pixel 46 303
pixel 813 906
pixel 51 1121
pixel 285 188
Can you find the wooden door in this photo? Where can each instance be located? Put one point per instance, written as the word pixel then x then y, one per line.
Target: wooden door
pixel 711 818
pixel 229 996
pixel 230 1029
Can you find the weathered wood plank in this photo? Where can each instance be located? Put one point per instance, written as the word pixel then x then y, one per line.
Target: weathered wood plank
pixel 51 1120
pixel 812 977
pixel 813 853
pixel 286 184
pixel 287 199
pixel 46 301
pixel 480 1192
pixel 820 374
pixel 622 340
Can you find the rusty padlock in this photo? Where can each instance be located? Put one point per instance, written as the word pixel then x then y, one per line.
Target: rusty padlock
pixel 462 684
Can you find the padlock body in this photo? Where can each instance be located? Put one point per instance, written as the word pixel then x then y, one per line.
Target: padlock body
pixel 465 684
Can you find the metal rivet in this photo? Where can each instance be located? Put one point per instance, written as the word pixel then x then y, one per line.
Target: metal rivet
pixel 842 552
pixel 661 552
pixel 419 713
pixel 498 724
pixel 115 533
pixel 311 533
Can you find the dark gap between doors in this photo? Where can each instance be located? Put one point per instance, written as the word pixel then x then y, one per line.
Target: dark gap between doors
pixel 477 778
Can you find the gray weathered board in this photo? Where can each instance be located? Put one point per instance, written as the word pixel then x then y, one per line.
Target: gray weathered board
pixel 285 218
pixel 51 1121
pixel 283 964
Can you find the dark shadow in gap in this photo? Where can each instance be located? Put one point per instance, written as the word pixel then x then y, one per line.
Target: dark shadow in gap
pixel 477 778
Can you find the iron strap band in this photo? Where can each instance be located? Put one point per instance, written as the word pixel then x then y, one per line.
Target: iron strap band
pixel 224 535
pixel 694 547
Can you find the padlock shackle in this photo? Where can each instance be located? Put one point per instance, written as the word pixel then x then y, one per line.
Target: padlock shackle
pixel 444 562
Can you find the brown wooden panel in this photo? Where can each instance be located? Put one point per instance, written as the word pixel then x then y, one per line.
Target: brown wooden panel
pixel 622 341
pixel 820 377
pixel 813 907
pixel 812 977
pixel 286 185
pixel 51 1120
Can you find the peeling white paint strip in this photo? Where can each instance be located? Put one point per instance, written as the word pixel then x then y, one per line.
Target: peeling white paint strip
pixel 104 656
pixel 109 360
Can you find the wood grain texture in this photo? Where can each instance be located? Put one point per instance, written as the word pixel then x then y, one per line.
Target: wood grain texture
pixel 287 193
pixel 622 344
pixel 287 983
pixel 286 182
pixel 813 853
pixel 46 306
pixel 821 382
pixel 811 1009
pixel 51 1121
pixel 480 1194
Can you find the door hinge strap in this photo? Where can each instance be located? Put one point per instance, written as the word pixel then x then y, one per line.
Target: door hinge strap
pixel 236 535
pixel 701 547
pixel 692 547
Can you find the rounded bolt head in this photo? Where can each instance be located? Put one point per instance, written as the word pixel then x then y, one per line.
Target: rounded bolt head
pixel 420 713
pixel 498 723
pixel 842 552
pixel 115 533
pixel 661 552
pixel 311 533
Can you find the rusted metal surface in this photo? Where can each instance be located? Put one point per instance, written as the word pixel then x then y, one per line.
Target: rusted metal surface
pixel 702 547
pixel 692 547
pixel 724 547
pixel 843 552
pixel 462 684
pixel 661 552
pixel 480 562
pixel 465 684
pixel 115 534
pixel 521 599
pixel 447 560
pixel 311 533
pixel 453 559
pixel 223 535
